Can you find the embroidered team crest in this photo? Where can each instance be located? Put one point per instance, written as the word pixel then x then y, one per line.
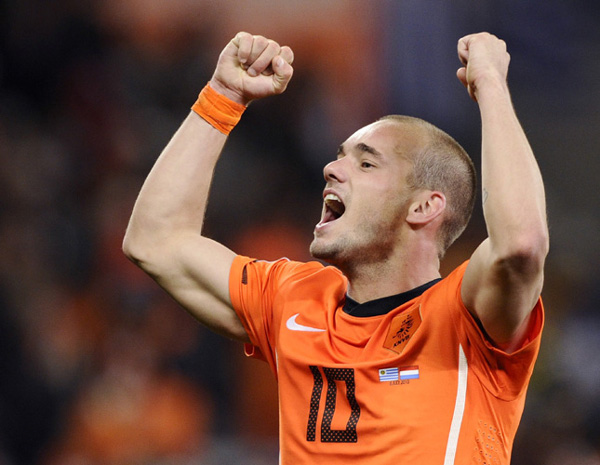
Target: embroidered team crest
pixel 403 327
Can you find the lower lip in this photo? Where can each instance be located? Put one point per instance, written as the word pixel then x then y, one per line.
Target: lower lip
pixel 321 226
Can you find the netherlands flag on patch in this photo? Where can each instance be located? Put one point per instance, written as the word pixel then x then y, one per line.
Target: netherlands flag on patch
pixel 409 373
pixel 388 374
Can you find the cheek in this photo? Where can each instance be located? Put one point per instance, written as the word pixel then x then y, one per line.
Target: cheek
pixel 391 210
pixel 381 198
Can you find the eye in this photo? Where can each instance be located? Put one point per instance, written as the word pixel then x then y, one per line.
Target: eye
pixel 366 165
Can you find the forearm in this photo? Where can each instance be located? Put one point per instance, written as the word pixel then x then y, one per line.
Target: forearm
pixel 513 193
pixel 505 275
pixel 174 197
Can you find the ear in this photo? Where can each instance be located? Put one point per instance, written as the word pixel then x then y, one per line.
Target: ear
pixel 426 207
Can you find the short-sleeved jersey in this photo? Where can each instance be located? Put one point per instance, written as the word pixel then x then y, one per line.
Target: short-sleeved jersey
pixel 420 384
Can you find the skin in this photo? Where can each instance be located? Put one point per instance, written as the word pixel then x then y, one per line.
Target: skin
pixel 506 272
pixel 376 234
pixel 385 241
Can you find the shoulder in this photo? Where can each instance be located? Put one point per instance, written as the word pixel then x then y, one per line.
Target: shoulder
pixel 448 288
pixel 282 269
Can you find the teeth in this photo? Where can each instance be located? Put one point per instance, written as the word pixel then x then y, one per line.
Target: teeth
pixel 335 204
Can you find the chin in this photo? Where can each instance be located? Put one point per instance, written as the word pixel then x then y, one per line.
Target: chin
pixel 327 253
pixel 318 249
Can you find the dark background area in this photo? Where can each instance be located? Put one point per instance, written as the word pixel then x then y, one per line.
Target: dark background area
pixel 98 365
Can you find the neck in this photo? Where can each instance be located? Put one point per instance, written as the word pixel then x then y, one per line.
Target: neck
pixel 369 281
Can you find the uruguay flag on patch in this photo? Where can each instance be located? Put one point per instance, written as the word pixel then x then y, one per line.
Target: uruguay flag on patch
pixel 388 374
pixel 409 373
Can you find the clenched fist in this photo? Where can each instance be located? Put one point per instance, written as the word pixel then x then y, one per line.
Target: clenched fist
pixel 252 67
pixel 485 61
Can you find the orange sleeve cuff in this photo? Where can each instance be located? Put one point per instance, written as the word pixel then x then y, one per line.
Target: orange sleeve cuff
pixel 217 110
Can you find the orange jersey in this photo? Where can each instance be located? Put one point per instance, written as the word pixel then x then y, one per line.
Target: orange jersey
pixel 419 384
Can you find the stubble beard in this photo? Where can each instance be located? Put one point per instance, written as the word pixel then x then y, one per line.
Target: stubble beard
pixel 329 253
pixel 374 245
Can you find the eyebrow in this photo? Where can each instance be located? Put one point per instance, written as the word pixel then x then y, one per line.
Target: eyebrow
pixel 362 147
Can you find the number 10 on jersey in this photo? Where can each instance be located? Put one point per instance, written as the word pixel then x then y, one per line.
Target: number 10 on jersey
pixel 333 377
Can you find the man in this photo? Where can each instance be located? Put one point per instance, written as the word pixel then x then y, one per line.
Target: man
pixel 378 359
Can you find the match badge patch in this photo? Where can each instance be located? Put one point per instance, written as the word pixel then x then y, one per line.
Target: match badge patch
pixel 388 374
pixel 398 374
pixel 407 373
pixel 402 329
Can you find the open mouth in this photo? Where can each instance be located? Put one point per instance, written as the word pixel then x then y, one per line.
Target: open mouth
pixel 334 208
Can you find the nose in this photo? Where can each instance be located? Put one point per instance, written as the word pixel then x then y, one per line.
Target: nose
pixel 334 171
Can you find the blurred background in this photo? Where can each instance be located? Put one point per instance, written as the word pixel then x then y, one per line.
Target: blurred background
pixel 98 365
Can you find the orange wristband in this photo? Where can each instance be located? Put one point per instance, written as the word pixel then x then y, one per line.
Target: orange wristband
pixel 217 110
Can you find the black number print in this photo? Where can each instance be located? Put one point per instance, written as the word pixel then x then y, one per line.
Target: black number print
pixel 311 431
pixel 327 434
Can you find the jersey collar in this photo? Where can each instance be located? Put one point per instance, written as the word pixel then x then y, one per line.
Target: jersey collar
pixel 385 304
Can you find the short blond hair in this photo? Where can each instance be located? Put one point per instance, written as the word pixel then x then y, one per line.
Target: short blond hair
pixel 444 166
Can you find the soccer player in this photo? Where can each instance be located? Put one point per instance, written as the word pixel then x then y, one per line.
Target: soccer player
pixel 378 359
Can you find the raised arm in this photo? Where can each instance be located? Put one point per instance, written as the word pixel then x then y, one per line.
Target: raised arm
pixel 164 233
pixel 504 278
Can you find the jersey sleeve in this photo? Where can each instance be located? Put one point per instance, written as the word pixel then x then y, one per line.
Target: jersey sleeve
pixel 505 375
pixel 253 288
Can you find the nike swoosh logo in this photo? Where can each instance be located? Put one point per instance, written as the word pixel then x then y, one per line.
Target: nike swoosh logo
pixel 291 324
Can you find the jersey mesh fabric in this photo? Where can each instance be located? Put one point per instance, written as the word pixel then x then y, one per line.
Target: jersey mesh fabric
pixel 349 394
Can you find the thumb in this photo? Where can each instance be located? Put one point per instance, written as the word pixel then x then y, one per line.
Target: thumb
pixel 282 74
pixel 461 74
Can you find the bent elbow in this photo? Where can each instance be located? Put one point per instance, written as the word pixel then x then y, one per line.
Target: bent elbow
pixel 527 255
pixel 536 246
pixel 129 251
pixel 134 254
pixel 135 251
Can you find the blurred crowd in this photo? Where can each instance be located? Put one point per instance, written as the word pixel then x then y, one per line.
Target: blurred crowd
pixel 98 366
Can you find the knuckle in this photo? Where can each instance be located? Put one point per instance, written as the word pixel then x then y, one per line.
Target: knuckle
pixel 287 53
pixel 261 41
pixel 243 35
pixel 274 46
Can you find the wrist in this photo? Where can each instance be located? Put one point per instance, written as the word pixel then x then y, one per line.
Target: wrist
pixel 218 110
pixel 491 88
pixel 227 92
